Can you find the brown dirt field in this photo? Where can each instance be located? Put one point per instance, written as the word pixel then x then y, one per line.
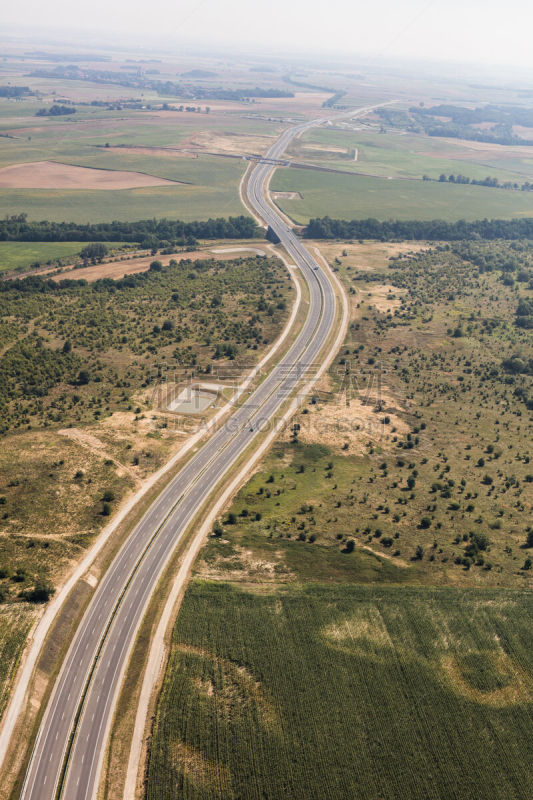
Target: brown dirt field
pixel 351 419
pixel 130 266
pixel 484 149
pixel 521 130
pixel 52 175
pixel 230 143
pixel 155 151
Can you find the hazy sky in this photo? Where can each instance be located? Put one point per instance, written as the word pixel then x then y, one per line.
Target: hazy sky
pixel 486 31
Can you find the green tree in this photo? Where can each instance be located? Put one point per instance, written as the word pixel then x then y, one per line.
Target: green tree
pixel 95 251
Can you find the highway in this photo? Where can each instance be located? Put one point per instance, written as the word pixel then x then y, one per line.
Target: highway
pixel 70 745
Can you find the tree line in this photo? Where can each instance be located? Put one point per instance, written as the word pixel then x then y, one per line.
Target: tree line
pixel 419 230
pixel 148 232
pixel 458 122
pixel 15 91
pixel 169 88
pixel 55 111
pixel 491 182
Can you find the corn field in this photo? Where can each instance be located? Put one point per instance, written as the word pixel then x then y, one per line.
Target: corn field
pixel 347 692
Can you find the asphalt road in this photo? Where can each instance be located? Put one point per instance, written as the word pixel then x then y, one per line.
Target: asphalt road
pixel 71 742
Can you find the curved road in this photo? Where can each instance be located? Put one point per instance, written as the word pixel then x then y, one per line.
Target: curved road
pixel 71 741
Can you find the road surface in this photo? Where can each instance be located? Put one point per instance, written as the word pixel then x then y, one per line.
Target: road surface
pixel 71 741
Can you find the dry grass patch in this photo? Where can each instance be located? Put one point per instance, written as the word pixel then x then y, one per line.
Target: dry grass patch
pixel 368 255
pixel 518 688
pixel 230 142
pixel 200 771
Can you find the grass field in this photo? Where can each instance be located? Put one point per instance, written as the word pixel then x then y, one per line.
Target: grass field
pixel 212 191
pixel 15 623
pixel 412 155
pixel 346 693
pixel 15 255
pixel 210 185
pixel 347 197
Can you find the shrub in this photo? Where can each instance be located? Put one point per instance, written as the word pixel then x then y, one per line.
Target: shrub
pixel 40 593
pixel 84 377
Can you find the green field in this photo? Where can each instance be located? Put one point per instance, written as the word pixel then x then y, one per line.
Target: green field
pixel 15 623
pixel 347 197
pixel 14 255
pixel 187 203
pixel 210 189
pixel 411 155
pixel 346 693
pixel 208 186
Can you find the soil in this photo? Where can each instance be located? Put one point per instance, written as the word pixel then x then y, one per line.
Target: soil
pixel 52 175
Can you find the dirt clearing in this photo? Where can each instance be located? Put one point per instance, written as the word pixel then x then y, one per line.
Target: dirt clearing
pixel 132 265
pixel 52 175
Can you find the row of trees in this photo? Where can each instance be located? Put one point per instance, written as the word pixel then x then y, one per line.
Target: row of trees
pixel 488 181
pixel 55 111
pixel 150 231
pixel 419 230
pixel 15 91
pixel 168 88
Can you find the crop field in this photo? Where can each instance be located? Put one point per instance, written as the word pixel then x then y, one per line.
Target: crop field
pixel 411 155
pixel 15 623
pixel 207 186
pixel 368 693
pixel 357 197
pixel 210 190
pixel 18 255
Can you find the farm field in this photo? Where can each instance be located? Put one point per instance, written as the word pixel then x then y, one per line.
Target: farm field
pixel 205 186
pixel 411 155
pixel 357 197
pixel 209 189
pixel 19 255
pixel 15 255
pixel 365 692
pixel 51 175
